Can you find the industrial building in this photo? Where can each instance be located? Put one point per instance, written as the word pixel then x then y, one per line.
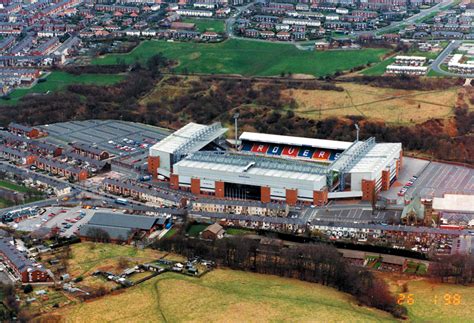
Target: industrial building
pixel 273 168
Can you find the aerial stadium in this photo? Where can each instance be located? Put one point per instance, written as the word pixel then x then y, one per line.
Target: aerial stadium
pixel 273 168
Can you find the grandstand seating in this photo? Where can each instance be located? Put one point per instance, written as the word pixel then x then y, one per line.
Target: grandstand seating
pixel 308 153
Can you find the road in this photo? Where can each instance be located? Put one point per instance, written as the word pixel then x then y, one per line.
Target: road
pixel 436 65
pixel 412 19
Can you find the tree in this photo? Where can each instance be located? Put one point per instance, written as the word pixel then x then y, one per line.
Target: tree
pixel 98 235
pixel 28 289
pixel 123 263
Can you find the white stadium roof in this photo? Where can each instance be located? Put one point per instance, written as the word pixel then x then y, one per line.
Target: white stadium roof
pixel 377 157
pixel 295 141
pixel 190 138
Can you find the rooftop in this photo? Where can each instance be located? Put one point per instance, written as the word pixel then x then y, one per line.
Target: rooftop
pixel 376 157
pixel 123 221
pixel 190 138
pixel 295 141
pixel 454 203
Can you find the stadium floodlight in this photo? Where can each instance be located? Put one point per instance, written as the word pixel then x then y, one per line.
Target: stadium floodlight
pixel 357 131
pixel 236 116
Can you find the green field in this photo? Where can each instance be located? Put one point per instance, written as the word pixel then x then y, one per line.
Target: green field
pixel 378 69
pixel 59 80
pixel 203 25
pixel 435 302
pixel 223 296
pixel 195 229
pixel 170 233
pixel 5 203
pixel 15 187
pixel 239 232
pixel 247 58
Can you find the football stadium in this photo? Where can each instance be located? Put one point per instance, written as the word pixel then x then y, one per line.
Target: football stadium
pixel 273 168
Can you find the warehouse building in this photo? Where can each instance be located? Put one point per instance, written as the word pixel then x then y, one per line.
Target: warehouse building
pixel 272 168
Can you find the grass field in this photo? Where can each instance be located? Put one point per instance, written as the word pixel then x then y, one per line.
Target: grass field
pixel 170 233
pixel 390 105
pixel 247 58
pixel 5 203
pixel 239 232
pixel 429 304
pixel 224 296
pixel 378 69
pixel 88 257
pixel 195 229
pixel 203 25
pixel 59 80
pixel 15 187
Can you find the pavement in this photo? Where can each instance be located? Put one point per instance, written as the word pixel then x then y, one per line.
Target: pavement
pixel 441 59
pixel 413 19
pixel 59 219
pixel 411 167
pixel 438 179
pixel 436 65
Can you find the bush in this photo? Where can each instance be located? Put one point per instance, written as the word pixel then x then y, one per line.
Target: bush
pixel 28 289
pixel 79 279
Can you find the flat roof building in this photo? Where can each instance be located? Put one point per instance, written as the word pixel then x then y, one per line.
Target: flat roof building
pixel 190 138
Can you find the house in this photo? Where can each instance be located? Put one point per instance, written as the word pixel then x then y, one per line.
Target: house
pixel 19 156
pixel 213 232
pixel 89 151
pixel 24 130
pixel 194 13
pixel 209 35
pixel 321 45
pixel 25 270
pixel 62 169
pixel 118 228
pixel 283 35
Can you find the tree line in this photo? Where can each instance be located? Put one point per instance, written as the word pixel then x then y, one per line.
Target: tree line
pixel 261 105
pixel 316 263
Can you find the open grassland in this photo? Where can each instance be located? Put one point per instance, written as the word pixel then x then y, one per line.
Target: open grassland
pixel 88 257
pixel 429 303
pixel 390 105
pixel 247 58
pixel 5 203
pixel 58 80
pixel 223 296
pixel 204 24
pixel 15 187
pixel 379 68
pixel 196 229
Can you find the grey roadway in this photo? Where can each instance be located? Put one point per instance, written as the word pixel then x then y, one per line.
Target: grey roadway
pixel 410 20
pixel 436 65
pixel 414 18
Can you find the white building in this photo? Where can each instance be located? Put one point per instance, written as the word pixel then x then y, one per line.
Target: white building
pixel 456 65
pixel 302 22
pixel 410 60
pixel 409 70
pixel 194 13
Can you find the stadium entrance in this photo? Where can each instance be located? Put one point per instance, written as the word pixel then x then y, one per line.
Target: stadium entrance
pixel 242 192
